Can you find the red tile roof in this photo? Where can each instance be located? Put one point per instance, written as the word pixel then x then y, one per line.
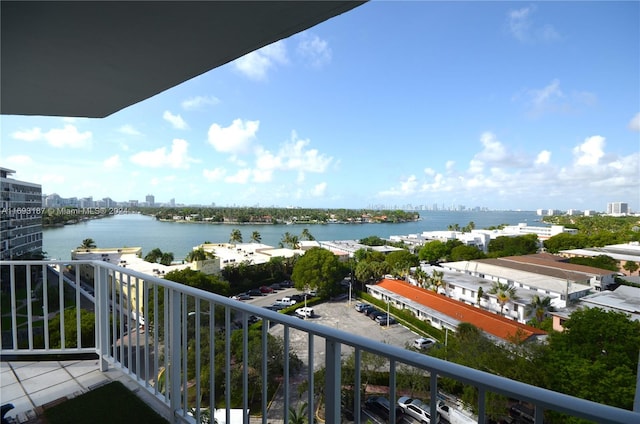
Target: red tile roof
pixel 487 321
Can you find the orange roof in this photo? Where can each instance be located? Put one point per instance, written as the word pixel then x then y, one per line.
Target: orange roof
pixel 487 321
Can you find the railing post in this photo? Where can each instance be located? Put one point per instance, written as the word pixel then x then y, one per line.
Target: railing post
pixel 332 387
pixel 101 290
pixel 175 338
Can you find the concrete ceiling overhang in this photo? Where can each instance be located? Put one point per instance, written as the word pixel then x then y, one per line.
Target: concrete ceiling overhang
pixel 91 59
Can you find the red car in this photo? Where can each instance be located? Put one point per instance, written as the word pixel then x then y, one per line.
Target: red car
pixel 266 289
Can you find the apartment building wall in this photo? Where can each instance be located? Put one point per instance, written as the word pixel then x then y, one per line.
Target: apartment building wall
pixel 21 218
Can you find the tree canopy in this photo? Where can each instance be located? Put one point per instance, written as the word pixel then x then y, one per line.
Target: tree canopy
pixel 318 269
pixel 513 246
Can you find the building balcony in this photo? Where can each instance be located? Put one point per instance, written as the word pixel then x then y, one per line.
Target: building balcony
pixel 185 349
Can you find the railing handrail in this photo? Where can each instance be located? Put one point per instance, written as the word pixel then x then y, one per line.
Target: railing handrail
pixel 481 379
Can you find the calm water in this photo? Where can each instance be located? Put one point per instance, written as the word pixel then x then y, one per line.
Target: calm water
pixel 142 231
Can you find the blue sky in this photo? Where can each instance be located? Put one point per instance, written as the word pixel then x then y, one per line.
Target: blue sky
pixel 505 105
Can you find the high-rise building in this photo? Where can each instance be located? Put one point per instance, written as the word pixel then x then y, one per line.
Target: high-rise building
pixel 150 200
pixel 617 208
pixel 21 219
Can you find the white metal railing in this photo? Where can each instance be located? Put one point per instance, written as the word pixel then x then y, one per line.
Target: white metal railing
pixel 167 337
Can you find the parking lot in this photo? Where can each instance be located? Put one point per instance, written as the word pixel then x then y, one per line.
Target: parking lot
pixel 340 315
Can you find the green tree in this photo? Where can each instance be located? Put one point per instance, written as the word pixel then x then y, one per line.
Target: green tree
pixel 306 235
pixel 256 237
pixel 631 267
pixel 198 254
pixel 154 255
pixel 87 329
pixel 539 307
pixel 433 251
pixel 88 243
pixel 595 357
pixel 466 253
pixel 600 261
pixel 504 293
pixel 166 258
pixel 372 241
pixel 235 237
pixel 318 269
pixel 402 260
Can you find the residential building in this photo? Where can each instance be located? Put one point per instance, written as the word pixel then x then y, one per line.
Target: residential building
pixel 622 253
pixel 21 220
pixel 446 313
pixel 150 200
pixel 617 208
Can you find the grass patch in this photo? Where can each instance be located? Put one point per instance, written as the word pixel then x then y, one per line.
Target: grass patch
pixel 111 403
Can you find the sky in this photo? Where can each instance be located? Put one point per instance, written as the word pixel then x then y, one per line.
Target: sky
pixel 502 105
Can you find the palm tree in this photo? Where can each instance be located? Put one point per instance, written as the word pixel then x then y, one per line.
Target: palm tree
pixel 504 293
pixel 421 277
pixel 306 235
pixel 198 255
pixel 235 237
pixel 540 306
pixel 437 281
pixel 166 258
pixel 256 237
pixel 298 416
pixel 88 243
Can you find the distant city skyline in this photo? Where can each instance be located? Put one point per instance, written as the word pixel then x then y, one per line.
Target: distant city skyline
pixel 507 105
pixel 609 207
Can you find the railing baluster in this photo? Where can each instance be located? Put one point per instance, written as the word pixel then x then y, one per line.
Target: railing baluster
pixel 29 307
pixel 197 373
pixel 212 360
pixel 175 337
pixel 78 310
pixel 45 304
pixel 392 390
pixel 332 381
pixel 14 318
pixel 183 352
pixel 245 366
pixel 61 308
pixel 357 401
pixel 310 376
pixel 101 290
pixel 265 368
pixel 539 414
pixel 482 415
pixel 285 375
pixel 227 362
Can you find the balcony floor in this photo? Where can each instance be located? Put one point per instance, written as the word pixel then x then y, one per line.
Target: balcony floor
pixel 30 386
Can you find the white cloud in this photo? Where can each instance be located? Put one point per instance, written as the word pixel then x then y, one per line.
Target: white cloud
pixel 521 26
pixel 240 177
pixel 314 50
pixel 199 102
pixel 28 135
pixel 177 157
pixel 112 162
pixel 129 130
pixel 68 136
pixel 21 160
pixel 236 138
pixel 175 120
pixel 590 152
pixel 552 99
pixel 543 157
pixel 319 190
pixel 406 188
pixel 256 64
pixel 213 175
pixel 634 123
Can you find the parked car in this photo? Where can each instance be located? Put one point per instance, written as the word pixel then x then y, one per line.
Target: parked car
pixel 415 408
pixel 375 314
pixel 385 319
pixel 266 289
pixel 305 312
pixel 367 310
pixel 380 406
pixel 254 292
pixel 275 286
pixel 286 284
pixel 424 343
pixel 297 297
pixel 360 306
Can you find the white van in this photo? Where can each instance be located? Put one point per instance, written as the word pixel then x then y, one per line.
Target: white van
pixel 305 312
pixel 287 301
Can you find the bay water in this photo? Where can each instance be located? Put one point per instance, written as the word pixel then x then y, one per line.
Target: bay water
pixel 135 230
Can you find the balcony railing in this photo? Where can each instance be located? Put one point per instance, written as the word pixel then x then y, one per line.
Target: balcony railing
pixel 191 348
